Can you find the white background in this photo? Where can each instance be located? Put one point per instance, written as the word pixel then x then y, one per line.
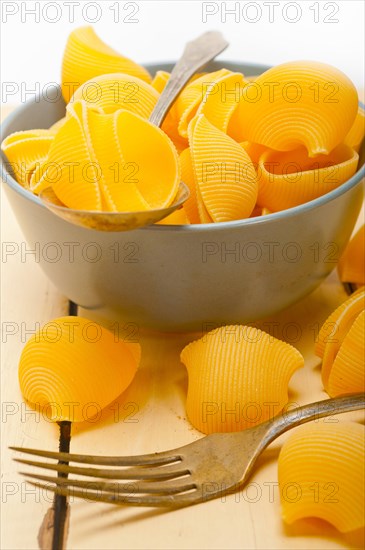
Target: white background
pixel 32 50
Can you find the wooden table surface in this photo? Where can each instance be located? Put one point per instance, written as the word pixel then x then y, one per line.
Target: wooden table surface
pixel 148 417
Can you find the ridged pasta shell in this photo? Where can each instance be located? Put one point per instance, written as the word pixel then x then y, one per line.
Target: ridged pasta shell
pixel 349 309
pixel 341 344
pixel 191 97
pixel 57 125
pixel 221 100
pixel 25 151
pixel 187 176
pixel 114 162
pixel 351 267
pixel 292 178
pixel 347 374
pixel 73 363
pixel 86 56
pixel 111 92
pixel 299 103
pixel 357 131
pixel 224 174
pixel 238 377
pixel 254 151
pixel 160 80
pixel 321 474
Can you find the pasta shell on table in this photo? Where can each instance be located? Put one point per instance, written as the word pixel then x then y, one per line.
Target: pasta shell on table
pixel 87 56
pixel 225 178
pixel 111 92
pixel 351 266
pixel 321 474
pixel 287 179
pixel 25 150
pixel 350 308
pixel 300 103
pixel 357 130
pixel 72 362
pixel 341 344
pixel 235 372
pixel 347 374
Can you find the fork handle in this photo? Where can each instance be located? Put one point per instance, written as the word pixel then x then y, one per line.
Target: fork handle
pixel 196 55
pixel 313 411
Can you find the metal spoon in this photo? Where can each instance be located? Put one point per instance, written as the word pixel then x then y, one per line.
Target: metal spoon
pixel 196 55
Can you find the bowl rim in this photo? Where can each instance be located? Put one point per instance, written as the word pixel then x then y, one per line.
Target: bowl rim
pixel 191 228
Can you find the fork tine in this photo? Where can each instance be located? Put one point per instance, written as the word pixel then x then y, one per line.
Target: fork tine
pixel 166 487
pixel 165 472
pixel 157 459
pixel 184 499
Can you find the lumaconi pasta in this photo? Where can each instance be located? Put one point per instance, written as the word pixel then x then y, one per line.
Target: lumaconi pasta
pixel 299 103
pixel 292 178
pixel 86 56
pixel 191 97
pixel 111 92
pixel 25 151
pixel 225 179
pixel 235 373
pixel 351 267
pixel 107 151
pixel 160 80
pixel 341 345
pixel 321 474
pixel 72 363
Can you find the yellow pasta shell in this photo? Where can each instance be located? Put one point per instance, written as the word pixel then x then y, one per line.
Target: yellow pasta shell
pixel 347 374
pixel 224 174
pixel 25 151
pixel 321 474
pixel 72 364
pixel 351 267
pixel 357 131
pixel 238 377
pixel 221 100
pixel 347 311
pixel 114 162
pixel 191 97
pixel 57 125
pixel 86 56
pixel 254 151
pixel 143 143
pixel 160 80
pixel 178 217
pixel 111 92
pixel 187 176
pixel 292 178
pixel 299 103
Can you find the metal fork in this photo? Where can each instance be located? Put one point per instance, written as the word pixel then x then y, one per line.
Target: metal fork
pixel 199 471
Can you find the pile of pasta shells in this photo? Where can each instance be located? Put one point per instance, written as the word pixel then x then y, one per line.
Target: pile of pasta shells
pixel 244 146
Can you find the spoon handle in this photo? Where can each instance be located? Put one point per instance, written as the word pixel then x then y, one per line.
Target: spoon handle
pixel 196 55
